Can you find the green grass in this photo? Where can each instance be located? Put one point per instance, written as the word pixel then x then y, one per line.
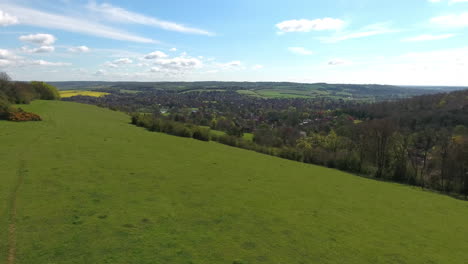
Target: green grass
pixel 98 190
pixel 248 92
pixel 279 93
pixel 246 136
pixel 205 90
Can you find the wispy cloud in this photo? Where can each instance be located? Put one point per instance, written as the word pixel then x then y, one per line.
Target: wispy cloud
pixel 429 37
pixel 231 65
pixel 48 63
pixel 41 49
pixel 118 62
pixel 9 59
pixel 178 65
pixel 41 39
pixel 123 61
pixel 118 14
pixel 337 61
pixel 452 20
pixel 367 31
pixel 33 17
pixel 156 55
pixel 449 1
pixel 7 19
pixel 79 49
pixel 300 50
pixel 5 54
pixel 257 67
pixel 305 25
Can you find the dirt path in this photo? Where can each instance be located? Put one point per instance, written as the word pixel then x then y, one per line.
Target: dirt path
pixel 12 219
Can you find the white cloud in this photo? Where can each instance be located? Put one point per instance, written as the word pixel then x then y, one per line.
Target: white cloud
pixel 305 25
pixel 156 55
pixel 173 49
pixel 429 37
pixel 257 67
pixel 7 19
pixel 300 51
pixel 28 16
pixel 123 61
pixel 178 64
pixel 40 39
pixel 367 31
pixel 121 15
pixel 79 49
pixel 9 59
pixel 231 64
pixel 48 63
pixel 336 62
pixel 452 20
pixel 118 62
pixel 110 65
pixel 4 63
pixel 211 71
pixel 155 69
pixel 100 72
pixel 41 49
pixel 5 54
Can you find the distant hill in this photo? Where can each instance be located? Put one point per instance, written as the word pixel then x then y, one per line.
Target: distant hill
pixel 85 186
pixel 437 88
pixel 366 92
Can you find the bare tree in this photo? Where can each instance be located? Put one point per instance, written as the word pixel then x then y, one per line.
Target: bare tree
pixel 5 77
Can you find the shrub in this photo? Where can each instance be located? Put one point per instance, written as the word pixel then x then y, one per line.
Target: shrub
pixel 201 134
pixel 45 91
pixel 21 116
pixel 228 140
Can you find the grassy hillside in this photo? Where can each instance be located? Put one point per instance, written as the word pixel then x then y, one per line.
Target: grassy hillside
pixel 93 189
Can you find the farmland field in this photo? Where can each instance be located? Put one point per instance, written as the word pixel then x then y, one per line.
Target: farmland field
pixel 274 90
pixel 70 93
pixel 87 187
pixel 246 136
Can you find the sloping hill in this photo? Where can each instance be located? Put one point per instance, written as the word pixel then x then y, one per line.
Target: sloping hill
pixel 87 187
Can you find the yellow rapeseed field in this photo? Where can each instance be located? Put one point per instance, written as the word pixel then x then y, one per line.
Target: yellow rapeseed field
pixel 70 93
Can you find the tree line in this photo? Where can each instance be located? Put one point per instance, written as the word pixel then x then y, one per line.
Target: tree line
pixel 421 141
pixel 12 92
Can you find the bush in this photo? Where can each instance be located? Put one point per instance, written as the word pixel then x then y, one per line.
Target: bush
pixel 201 134
pixel 291 154
pixel 21 116
pixel 45 91
pixel 181 130
pixel 228 140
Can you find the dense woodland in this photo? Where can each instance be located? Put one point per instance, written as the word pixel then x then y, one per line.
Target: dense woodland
pixel 421 141
pixel 22 93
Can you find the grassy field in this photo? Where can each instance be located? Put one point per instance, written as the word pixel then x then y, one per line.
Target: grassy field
pixel 70 93
pixel 246 136
pixel 93 189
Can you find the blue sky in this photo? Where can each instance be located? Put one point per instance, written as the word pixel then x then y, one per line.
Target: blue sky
pixel 415 42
